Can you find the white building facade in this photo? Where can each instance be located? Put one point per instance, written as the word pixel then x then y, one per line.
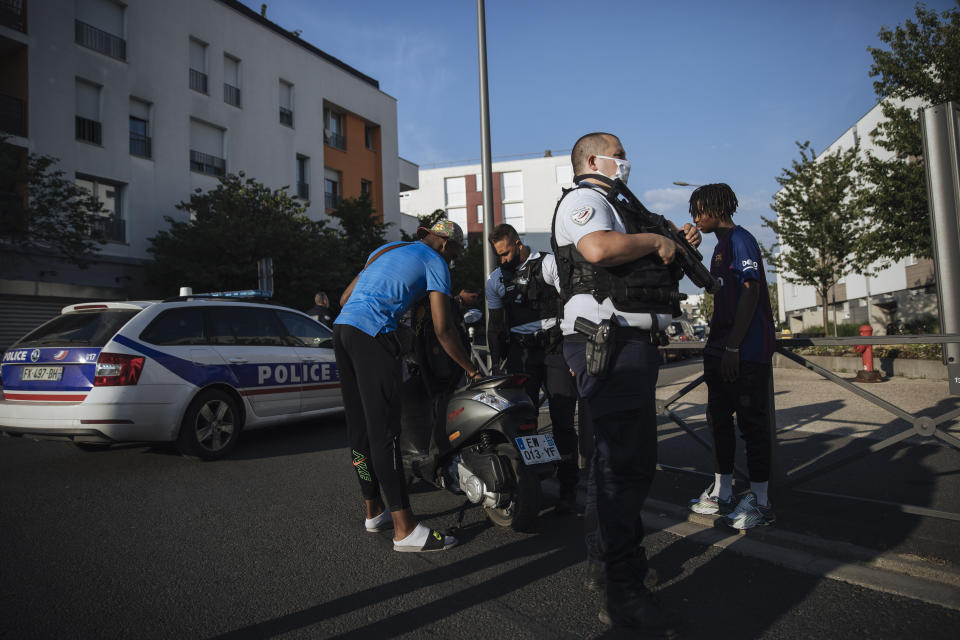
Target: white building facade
pixel 903 292
pixel 525 193
pixel 145 102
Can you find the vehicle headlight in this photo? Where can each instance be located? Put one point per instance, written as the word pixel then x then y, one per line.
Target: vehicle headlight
pixel 493 400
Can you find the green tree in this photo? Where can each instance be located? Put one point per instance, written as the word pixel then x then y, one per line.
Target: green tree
pixel 59 216
pixel 922 61
pixel 774 301
pixel 706 307
pixel 230 228
pixel 360 232
pixel 819 221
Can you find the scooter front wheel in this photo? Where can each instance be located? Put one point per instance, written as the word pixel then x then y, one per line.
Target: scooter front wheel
pixel 520 514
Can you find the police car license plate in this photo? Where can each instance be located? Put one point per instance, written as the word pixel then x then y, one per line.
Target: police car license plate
pixel 43 374
pixel 537 449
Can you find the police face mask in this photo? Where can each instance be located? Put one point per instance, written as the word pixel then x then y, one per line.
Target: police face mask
pixel 623 168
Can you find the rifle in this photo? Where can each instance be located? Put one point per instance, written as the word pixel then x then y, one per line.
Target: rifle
pixel 689 259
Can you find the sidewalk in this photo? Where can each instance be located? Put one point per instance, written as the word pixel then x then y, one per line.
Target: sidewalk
pixel 848 523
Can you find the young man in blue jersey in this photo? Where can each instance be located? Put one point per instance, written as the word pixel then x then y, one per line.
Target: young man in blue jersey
pixel 736 361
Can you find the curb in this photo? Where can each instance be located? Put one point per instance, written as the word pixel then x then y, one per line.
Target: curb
pixel 893 573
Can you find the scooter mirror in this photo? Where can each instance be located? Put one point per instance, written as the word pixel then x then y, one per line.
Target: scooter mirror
pixel 472 316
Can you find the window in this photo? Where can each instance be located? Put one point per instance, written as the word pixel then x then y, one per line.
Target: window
pixel 456 191
pixel 513 215
pixel 458 215
pixel 286 103
pixel 206 149
pixel 333 131
pixel 110 194
pixel 249 326
pixel 365 188
pixel 80 328
pixel 304 332
pixel 99 26
pixel 564 174
pixel 140 128
pixel 303 177
pixel 176 327
pixel 480 213
pixel 512 182
pixel 479 179
pixel 370 136
pixel 331 188
pixel 231 80
pixel 198 66
pixel 88 128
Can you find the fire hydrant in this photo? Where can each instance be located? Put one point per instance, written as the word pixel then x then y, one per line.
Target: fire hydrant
pixel 867 373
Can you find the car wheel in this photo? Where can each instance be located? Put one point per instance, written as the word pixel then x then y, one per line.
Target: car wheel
pixel 210 427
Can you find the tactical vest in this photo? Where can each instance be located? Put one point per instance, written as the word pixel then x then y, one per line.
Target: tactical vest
pixel 646 285
pixel 527 296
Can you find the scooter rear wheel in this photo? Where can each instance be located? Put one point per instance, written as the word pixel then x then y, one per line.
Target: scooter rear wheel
pixel 520 514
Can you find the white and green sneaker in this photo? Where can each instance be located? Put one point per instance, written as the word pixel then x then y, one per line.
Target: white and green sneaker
pixel 749 514
pixel 709 505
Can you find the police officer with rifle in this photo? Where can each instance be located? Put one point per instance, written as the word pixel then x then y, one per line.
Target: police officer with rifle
pixel 524 330
pixel 619 268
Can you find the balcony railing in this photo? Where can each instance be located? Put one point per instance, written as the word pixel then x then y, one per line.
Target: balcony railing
pixel 140 145
pixel 98 40
pixel 336 140
pixel 231 95
pixel 332 200
pixel 112 228
pixel 303 190
pixel 12 15
pixel 13 115
pixel 286 117
pixel 89 130
pixel 198 81
pixel 205 163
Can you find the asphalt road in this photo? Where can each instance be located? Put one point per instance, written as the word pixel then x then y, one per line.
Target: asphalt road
pixel 138 542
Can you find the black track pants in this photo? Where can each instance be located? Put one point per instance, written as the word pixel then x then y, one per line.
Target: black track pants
pixel 370 382
pixel 747 397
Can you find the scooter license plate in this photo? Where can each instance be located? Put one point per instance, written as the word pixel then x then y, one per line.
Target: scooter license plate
pixel 537 449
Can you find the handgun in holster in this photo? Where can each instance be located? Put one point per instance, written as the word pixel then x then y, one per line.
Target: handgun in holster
pixel 601 341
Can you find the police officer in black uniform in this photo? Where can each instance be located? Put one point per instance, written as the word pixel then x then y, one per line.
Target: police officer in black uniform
pixel 624 283
pixel 522 295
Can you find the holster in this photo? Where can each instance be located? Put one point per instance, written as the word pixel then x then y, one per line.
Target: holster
pixel 601 341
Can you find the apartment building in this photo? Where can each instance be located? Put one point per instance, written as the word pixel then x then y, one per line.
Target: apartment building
pixel 902 292
pixel 144 102
pixel 525 193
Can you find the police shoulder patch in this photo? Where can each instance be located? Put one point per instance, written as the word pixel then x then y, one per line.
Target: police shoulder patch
pixel 582 215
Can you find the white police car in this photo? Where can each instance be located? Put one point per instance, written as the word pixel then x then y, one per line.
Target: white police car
pixel 194 370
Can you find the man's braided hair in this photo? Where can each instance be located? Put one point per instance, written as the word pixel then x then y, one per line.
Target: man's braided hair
pixel 713 199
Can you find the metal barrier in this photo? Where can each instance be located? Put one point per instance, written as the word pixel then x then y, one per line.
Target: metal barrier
pixel 923 426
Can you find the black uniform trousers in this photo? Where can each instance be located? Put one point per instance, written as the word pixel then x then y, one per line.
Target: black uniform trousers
pixel 370 377
pixel 549 369
pixel 747 396
pixel 623 412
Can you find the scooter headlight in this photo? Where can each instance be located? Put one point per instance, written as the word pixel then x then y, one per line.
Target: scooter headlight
pixel 493 401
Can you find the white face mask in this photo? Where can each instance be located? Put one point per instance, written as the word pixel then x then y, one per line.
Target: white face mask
pixel 623 168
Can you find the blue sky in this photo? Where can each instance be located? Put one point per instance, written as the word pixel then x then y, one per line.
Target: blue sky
pixel 698 91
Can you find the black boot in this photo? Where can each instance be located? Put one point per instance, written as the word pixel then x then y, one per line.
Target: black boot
pixel 596 578
pixel 629 603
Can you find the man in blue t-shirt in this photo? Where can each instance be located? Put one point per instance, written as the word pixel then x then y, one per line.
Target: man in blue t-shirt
pixel 368 352
pixel 736 361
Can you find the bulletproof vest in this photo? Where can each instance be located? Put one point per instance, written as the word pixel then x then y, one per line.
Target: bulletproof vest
pixel 526 295
pixel 646 285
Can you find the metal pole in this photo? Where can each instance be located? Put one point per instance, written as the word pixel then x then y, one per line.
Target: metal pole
pixel 486 166
pixel 941 127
